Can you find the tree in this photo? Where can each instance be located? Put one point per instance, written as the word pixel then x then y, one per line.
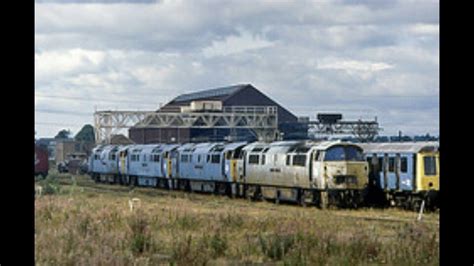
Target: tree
pixel 63 134
pixel 86 134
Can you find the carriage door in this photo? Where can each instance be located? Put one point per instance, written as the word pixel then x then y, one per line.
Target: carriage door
pixel 174 164
pixel 226 165
pixel 384 171
pixel 316 164
pixel 165 165
pixel 391 173
pixel 123 166
pixel 405 172
pixel 145 164
pixel 244 158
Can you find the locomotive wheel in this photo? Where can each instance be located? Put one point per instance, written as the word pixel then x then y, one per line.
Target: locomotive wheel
pixel 249 193
pixel 323 200
pixel 302 198
pixel 277 197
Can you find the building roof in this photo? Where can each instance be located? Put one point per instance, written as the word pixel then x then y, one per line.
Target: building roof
pixel 120 139
pixel 235 95
pixel 215 94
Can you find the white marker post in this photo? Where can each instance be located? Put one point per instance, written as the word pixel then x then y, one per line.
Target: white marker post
pixel 421 210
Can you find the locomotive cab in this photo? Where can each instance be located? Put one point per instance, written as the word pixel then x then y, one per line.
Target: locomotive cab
pixel 341 167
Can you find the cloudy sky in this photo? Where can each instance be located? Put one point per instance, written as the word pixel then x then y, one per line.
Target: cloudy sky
pixel 361 58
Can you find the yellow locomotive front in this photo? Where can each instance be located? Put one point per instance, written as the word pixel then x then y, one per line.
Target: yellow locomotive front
pixel 427 176
pixel 343 173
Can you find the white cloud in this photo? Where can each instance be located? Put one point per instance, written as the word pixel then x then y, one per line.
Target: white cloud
pixel 236 44
pixel 425 29
pixel 50 64
pixel 353 65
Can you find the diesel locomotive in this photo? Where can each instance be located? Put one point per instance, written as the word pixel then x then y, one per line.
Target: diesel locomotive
pixel 320 173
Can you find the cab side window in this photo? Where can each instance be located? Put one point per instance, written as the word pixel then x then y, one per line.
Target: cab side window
pixel 430 165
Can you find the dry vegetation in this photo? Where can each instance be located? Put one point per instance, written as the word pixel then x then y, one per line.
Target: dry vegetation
pixel 79 222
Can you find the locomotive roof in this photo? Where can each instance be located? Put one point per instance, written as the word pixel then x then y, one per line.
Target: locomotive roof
pixel 293 146
pixel 206 146
pixel 233 145
pixel 399 147
pixel 187 147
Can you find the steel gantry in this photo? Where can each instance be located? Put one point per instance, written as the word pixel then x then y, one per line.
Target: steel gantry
pixel 363 130
pixel 262 120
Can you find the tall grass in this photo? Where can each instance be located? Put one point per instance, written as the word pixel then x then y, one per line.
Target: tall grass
pixel 170 228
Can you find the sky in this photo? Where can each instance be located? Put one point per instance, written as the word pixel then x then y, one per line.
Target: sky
pixel 364 59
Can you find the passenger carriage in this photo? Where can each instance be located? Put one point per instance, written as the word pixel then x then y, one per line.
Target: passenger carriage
pixel 403 174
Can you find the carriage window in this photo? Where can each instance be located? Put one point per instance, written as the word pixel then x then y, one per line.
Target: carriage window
pixel 184 158
pixel 317 156
pixel 263 159
pixel 302 149
pixel 299 160
pixel 430 165
pixel 404 165
pixel 156 158
pixel 199 158
pixel 253 159
pixel 215 158
pixel 391 164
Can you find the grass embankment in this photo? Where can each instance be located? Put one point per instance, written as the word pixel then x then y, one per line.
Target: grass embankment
pixel 80 222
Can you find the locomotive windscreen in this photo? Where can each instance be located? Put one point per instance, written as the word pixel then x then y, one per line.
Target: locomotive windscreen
pixel 344 153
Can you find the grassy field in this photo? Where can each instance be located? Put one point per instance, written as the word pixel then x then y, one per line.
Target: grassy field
pixel 80 222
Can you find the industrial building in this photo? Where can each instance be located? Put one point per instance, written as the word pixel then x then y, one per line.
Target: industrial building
pixel 218 100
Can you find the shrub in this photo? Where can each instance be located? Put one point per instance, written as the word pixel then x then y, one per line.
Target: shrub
pixel 276 246
pixel 140 238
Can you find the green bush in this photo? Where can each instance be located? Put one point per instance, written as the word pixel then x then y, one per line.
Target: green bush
pixel 50 185
pixel 140 238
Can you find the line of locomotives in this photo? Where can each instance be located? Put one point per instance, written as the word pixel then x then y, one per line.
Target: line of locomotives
pixel 325 173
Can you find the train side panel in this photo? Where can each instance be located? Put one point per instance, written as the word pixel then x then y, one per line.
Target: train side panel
pixel 41 161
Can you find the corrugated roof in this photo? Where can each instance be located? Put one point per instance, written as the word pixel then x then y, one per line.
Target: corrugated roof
pixel 399 147
pixel 212 93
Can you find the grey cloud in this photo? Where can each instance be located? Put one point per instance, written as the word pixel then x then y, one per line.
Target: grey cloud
pixel 149 53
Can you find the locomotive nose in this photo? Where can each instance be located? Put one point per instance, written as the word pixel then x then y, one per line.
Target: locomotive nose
pixel 348 173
